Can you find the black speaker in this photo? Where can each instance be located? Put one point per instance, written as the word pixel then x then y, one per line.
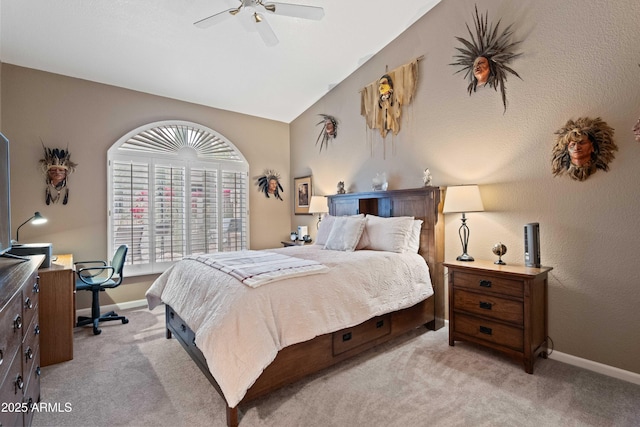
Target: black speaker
pixel 532 244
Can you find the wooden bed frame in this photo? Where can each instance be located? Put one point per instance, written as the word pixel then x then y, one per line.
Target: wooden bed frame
pixel 300 360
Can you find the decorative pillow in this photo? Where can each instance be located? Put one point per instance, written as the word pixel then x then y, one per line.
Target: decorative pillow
pixel 413 243
pixel 388 234
pixel 364 239
pixel 325 228
pixel 345 233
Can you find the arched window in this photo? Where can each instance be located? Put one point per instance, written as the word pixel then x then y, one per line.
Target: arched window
pixel 175 188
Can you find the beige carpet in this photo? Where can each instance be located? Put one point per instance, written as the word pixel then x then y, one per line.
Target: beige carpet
pixel 132 376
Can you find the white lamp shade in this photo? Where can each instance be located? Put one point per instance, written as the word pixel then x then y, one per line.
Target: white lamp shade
pixel 318 204
pixel 462 198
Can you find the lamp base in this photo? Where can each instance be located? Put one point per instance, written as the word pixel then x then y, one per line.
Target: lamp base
pixel 465 257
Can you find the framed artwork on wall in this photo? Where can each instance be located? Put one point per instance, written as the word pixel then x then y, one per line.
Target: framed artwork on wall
pixel 302 190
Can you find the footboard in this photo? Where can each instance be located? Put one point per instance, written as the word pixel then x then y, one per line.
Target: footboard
pixel 300 360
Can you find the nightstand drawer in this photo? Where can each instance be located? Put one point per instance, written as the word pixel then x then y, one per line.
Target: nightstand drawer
pixel 488 283
pixel 488 305
pixel 487 330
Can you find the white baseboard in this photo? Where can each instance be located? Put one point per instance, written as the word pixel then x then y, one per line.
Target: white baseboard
pixel 600 368
pixel 113 307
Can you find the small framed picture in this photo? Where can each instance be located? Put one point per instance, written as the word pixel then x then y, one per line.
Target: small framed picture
pixel 302 189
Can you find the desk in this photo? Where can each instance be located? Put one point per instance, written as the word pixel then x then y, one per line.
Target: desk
pixel 57 310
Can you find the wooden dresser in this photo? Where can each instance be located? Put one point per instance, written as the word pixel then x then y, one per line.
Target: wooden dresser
pixel 19 340
pixel 57 311
pixel 503 307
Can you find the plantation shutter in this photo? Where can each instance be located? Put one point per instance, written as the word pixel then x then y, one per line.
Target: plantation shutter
pixel 175 190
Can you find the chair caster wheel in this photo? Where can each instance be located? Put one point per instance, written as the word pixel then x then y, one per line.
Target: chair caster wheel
pixel 125 321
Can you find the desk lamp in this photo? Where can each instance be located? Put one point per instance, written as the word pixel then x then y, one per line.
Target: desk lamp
pixel 36 219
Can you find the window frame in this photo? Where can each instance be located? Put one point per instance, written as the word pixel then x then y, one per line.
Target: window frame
pixel 189 158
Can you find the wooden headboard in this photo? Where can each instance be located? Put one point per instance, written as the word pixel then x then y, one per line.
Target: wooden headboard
pixel 421 203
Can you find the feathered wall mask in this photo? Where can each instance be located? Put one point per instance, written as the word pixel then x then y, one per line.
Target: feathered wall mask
pixel 56 167
pixel 269 184
pixel 329 130
pixel 582 147
pixel 484 57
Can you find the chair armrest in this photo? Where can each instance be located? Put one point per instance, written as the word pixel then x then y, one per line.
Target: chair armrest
pixel 94 272
pixel 90 262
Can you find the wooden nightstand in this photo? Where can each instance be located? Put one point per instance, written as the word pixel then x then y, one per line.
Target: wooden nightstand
pixel 503 307
pixel 286 243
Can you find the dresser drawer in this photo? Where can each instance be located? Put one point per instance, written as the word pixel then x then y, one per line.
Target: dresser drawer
pixel 488 305
pixel 11 392
pixel 488 283
pixel 32 388
pixel 31 348
pixel 349 338
pixel 11 324
pixel 488 330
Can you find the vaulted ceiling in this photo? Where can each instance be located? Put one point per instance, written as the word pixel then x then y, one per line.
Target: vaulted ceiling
pixel 152 46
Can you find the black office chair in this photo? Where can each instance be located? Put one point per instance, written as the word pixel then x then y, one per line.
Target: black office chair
pixel 96 276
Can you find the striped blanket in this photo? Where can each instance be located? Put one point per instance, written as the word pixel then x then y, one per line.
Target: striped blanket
pixel 255 268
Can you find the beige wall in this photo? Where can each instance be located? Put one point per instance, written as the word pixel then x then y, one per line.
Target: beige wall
pixel 580 58
pixel 88 118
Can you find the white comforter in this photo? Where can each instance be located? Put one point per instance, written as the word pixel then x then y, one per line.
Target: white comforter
pixel 241 329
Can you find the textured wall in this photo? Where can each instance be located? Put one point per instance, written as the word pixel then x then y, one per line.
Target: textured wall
pixel 580 58
pixel 90 117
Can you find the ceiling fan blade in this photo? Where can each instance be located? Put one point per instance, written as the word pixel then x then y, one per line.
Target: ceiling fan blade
pixel 297 10
pixel 214 19
pixel 265 30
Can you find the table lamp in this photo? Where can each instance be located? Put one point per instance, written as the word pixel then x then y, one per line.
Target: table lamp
pixel 318 205
pixel 36 219
pixel 463 199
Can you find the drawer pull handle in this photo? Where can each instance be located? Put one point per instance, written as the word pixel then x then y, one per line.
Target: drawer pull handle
pixel 183 328
pixel 38 371
pixel 346 337
pixel 28 304
pixel 485 283
pixel 172 315
pixel 19 383
pixel 379 324
pixel 17 323
pixel 28 354
pixel 485 305
pixel 36 330
pixel 485 330
pixel 1 356
pixel 36 288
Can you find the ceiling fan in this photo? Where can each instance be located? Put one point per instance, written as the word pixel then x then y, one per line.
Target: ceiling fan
pixel 251 15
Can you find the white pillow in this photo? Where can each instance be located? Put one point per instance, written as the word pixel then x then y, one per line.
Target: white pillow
pixel 389 234
pixel 345 233
pixel 325 228
pixel 413 243
pixel 364 239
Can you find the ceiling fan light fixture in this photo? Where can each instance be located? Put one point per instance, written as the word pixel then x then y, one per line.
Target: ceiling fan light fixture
pixel 257 17
pixel 270 7
pixel 234 12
